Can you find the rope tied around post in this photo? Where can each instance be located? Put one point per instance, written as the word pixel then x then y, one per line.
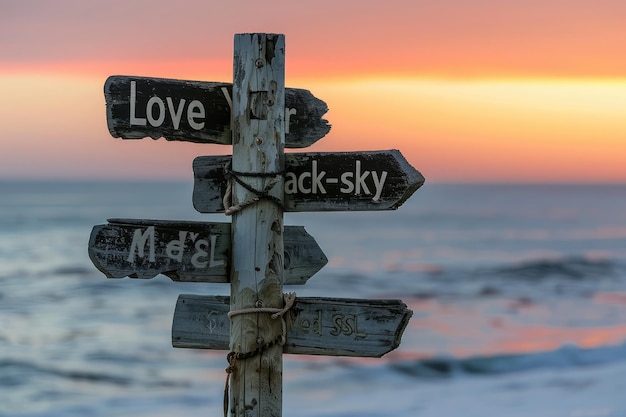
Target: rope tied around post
pixel 232 357
pixel 260 194
pixel 289 299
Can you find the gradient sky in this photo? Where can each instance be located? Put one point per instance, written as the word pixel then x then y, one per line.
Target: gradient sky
pixel 487 90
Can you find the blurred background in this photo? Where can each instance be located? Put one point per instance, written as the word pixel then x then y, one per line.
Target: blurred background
pixel 512 256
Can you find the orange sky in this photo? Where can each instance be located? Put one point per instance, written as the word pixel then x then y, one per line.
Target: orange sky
pixel 468 91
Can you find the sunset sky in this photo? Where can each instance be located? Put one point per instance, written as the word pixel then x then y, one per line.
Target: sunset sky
pixel 484 90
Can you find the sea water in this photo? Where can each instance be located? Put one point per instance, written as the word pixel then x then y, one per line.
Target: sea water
pixel 518 295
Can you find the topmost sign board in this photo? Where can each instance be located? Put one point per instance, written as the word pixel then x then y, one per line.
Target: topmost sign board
pixel 196 111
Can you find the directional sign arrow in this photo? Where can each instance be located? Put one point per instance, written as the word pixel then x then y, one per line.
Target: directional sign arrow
pixel 188 251
pixel 315 326
pixel 197 111
pixel 338 181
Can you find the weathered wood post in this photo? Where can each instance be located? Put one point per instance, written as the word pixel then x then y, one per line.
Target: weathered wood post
pixel 257 183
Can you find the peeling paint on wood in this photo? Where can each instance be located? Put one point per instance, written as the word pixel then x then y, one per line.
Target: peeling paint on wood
pixel 316 326
pixel 188 251
pixel 199 111
pixel 321 181
pixel 257 230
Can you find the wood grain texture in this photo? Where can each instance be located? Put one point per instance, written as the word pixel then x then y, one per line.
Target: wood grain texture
pixel 304 111
pixel 188 251
pixel 321 181
pixel 257 230
pixel 315 325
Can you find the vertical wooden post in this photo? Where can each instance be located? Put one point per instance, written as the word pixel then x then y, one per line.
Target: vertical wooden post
pixel 257 243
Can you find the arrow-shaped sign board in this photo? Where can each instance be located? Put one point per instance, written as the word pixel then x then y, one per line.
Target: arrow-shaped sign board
pixel 338 181
pixel 197 111
pixel 315 326
pixel 188 251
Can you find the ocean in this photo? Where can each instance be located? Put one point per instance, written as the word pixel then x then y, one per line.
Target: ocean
pixel 518 294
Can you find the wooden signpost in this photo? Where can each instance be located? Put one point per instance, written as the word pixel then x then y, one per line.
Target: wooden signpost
pixel 188 251
pixel 255 253
pixel 199 111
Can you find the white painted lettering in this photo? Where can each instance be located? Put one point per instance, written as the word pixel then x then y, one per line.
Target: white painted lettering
pixel 175 113
pixel 301 186
pixel 176 248
pixel 359 180
pixel 378 183
pixel 317 179
pixel 212 261
pixel 149 111
pixel 134 120
pixel 211 324
pixel 345 180
pixel 291 183
pixel 139 243
pixel 356 181
pixel 195 110
pixel 199 260
pixel 288 113
pixel 201 253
